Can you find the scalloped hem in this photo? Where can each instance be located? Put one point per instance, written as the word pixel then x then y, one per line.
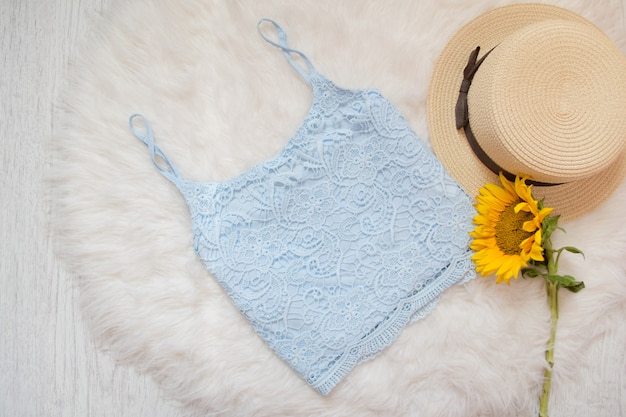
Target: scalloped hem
pixel 412 309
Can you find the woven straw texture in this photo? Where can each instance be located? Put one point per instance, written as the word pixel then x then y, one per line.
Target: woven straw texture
pixel 545 103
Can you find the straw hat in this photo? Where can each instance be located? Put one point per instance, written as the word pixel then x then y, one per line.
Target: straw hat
pixel 548 101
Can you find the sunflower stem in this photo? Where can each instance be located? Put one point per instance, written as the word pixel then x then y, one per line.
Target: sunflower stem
pixel 553 292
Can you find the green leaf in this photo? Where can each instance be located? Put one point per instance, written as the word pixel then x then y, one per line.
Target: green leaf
pixel 572 249
pixel 550 224
pixel 579 285
pixel 540 203
pixel 530 272
pixel 566 281
pixel 560 279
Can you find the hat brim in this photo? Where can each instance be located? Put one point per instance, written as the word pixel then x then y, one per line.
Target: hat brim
pixel 570 200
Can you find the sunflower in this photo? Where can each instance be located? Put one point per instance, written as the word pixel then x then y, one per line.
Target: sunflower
pixel 508 229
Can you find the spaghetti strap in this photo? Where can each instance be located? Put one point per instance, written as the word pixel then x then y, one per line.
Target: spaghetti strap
pixel 287 51
pixel 168 170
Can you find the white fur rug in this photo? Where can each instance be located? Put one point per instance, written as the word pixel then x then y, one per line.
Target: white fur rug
pixel 220 100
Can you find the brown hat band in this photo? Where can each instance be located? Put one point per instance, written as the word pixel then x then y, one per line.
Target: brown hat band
pixel 462 120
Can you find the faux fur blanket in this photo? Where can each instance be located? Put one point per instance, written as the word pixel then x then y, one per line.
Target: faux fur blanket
pixel 222 100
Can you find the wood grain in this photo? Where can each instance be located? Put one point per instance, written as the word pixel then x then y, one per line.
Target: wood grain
pixel 48 364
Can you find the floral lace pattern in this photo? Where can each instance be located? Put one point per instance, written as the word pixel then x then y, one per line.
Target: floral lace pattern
pixel 333 246
pixel 330 248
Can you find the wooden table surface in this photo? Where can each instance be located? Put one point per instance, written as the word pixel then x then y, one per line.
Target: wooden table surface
pixel 48 365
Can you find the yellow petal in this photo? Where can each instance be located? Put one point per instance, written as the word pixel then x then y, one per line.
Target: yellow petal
pixel 491 204
pixel 527 244
pixel 529 206
pixel 485 230
pixel 544 212
pixel 478 244
pixel 515 268
pixel 485 256
pixel 479 219
pixel 501 194
pixel 485 212
pixel 508 185
pixel 536 254
pixel 523 206
pixel 506 270
pixel 523 190
pixel 531 225
pixel 495 263
pixel 538 236
pixel 500 279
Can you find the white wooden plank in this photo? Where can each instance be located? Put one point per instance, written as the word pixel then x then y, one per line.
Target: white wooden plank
pixel 48 364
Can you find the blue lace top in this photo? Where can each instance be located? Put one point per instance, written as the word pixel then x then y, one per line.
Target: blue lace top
pixel 334 245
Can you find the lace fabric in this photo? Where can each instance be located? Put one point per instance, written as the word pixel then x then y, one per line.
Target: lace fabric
pixel 333 246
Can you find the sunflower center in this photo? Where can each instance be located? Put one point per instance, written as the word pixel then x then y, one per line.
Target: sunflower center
pixel 509 232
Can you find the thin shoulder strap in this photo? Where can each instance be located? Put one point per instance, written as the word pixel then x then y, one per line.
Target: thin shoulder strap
pixel 165 167
pixel 287 51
